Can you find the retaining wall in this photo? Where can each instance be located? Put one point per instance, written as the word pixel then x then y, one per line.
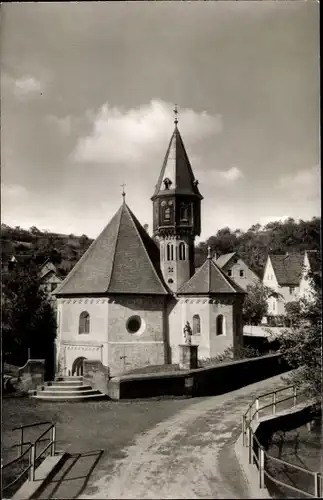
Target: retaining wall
pixel 96 375
pixel 207 381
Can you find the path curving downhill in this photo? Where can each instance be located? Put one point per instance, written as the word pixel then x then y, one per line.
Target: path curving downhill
pixel 190 455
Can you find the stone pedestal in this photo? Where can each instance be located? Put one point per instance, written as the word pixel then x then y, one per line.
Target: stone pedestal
pixel 188 359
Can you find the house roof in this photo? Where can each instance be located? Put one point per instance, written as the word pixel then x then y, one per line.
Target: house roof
pixel 122 259
pixel 177 168
pixel 208 280
pixel 47 267
pixel 287 268
pixel 224 259
pixel 315 260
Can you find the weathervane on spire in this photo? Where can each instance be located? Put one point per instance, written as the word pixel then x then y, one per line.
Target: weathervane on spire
pixel 175 113
pixel 123 192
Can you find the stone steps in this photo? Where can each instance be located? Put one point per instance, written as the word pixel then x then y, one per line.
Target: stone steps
pixel 66 389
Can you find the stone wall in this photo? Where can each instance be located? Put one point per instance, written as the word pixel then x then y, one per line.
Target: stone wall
pixel 31 375
pixel 126 350
pixel 213 380
pixel 96 375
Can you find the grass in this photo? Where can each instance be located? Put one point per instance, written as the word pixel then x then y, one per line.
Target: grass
pixel 84 427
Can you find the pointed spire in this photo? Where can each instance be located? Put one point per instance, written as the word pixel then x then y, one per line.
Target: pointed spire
pixel 176 169
pixel 209 255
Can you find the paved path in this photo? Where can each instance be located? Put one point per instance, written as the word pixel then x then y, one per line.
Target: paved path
pixel 190 455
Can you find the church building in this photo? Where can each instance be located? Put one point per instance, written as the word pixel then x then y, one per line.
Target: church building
pixel 127 300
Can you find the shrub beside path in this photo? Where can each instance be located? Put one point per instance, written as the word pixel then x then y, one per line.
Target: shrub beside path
pixel 189 455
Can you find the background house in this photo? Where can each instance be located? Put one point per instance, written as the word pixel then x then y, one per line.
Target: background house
pixel 50 279
pixel 283 274
pixel 312 264
pixel 237 269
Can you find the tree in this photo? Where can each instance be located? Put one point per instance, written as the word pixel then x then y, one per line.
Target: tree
pixel 28 320
pixel 255 305
pixel 301 346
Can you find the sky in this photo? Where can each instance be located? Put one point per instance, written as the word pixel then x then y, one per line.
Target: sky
pixel 87 97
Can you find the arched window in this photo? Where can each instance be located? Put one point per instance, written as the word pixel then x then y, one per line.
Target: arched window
pixel 196 325
pixel 181 251
pixel 184 210
pixel 220 325
pixel 84 322
pixel 170 251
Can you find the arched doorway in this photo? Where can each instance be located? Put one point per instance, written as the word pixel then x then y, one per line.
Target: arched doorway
pixel 77 367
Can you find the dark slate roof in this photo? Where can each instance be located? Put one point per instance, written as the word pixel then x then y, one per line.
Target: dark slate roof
pixel 224 259
pixel 122 259
pixel 287 268
pixel 209 280
pixel 177 168
pixel 315 260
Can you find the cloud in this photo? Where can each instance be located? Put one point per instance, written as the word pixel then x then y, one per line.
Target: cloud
pixel 232 174
pixel 272 218
pixel 121 136
pixel 64 125
pixel 303 184
pixel 26 85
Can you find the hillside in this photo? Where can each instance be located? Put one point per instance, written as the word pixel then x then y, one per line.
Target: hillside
pixel 253 245
pixel 64 250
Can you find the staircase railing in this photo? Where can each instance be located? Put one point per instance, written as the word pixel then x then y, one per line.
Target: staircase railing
pixel 256 451
pixel 30 453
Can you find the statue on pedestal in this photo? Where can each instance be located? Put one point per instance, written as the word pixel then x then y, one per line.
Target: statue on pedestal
pixel 187 333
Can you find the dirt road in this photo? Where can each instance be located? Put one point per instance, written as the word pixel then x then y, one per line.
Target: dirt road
pixel 189 455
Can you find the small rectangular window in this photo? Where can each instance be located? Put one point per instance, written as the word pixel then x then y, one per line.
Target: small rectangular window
pixel 241 272
pixel 291 290
pixel 229 272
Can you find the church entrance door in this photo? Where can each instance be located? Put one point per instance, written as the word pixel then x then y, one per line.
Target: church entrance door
pixel 77 367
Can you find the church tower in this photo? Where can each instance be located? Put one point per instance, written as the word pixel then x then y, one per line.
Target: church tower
pixel 176 213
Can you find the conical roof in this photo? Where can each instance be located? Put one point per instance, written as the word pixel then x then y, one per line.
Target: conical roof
pixel 209 279
pixel 177 169
pixel 123 259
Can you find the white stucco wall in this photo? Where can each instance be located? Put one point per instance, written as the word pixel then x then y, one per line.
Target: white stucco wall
pixel 72 345
pixel 276 307
pixel 248 278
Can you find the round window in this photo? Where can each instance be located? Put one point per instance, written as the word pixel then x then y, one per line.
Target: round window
pixel 133 324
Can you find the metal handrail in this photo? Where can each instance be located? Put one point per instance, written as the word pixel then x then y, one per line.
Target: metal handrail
pixel 30 425
pixel 31 450
pixel 15 460
pixel 262 453
pixel 289 486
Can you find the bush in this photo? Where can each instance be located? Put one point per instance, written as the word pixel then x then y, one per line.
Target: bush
pixel 245 352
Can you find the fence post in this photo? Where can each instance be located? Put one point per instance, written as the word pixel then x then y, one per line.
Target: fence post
pixel 53 441
pixel 295 394
pixel 32 463
pixel 317 492
pixel 261 456
pixel 274 403
pixel 243 430
pixel 250 443
pixel 21 448
pixel 257 409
